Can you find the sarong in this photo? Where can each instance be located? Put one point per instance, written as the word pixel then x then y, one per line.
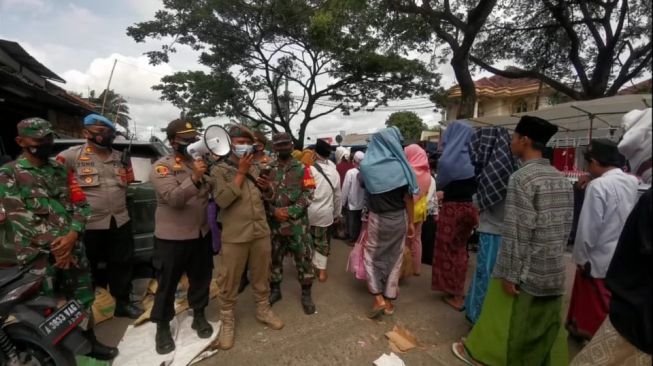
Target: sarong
pixel 386 234
pixel 589 305
pixel 522 330
pixel 609 348
pixel 487 256
pixel 457 220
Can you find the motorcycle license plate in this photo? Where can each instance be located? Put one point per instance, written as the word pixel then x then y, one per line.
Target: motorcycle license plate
pixel 66 318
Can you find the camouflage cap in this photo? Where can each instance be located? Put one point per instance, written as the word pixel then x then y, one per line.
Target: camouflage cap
pixel 34 127
pixel 281 138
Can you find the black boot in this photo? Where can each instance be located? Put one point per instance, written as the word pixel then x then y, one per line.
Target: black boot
pixel 164 342
pixel 203 328
pixel 126 309
pixel 244 281
pixel 307 301
pixel 275 292
pixel 99 351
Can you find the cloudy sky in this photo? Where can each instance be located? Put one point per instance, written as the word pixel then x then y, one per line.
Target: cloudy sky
pixel 80 39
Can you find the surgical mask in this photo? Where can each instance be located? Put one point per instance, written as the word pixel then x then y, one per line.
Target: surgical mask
pixel 242 150
pixel 103 139
pixel 42 151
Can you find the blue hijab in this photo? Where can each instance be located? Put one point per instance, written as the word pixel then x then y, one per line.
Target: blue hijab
pixel 454 163
pixel 385 166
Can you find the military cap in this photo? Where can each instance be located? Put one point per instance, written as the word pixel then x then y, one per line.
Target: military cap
pixel 179 126
pixel 34 127
pixel 93 118
pixel 236 130
pixel 537 129
pixel 281 138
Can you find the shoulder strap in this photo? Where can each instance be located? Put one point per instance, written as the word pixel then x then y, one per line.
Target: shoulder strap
pixel 319 169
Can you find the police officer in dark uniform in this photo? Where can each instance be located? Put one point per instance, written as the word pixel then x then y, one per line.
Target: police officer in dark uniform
pixel 183 240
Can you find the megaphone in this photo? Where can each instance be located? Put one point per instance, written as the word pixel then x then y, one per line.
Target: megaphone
pixel 215 140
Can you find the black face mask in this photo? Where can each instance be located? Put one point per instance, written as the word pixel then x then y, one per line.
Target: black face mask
pixel 103 139
pixel 182 145
pixel 284 154
pixel 42 151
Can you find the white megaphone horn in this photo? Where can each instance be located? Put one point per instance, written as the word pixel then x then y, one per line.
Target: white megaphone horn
pixel 215 140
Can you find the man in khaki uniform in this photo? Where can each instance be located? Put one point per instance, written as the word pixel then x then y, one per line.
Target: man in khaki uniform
pixel 239 191
pixel 183 241
pixel 108 236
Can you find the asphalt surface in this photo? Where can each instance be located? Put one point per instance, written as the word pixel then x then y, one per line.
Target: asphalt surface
pixel 340 333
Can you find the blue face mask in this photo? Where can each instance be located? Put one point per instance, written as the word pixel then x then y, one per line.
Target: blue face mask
pixel 242 150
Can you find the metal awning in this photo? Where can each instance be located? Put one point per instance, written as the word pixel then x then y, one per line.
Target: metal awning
pixel 579 117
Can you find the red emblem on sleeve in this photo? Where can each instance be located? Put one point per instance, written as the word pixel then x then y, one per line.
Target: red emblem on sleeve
pixel 76 193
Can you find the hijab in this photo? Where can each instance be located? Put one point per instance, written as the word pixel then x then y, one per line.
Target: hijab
pixel 385 167
pixel 420 163
pixel 455 163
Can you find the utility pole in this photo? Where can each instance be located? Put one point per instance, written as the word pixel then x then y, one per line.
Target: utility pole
pixel 106 91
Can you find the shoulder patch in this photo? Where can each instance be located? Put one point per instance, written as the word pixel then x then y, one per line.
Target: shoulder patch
pixel 84 158
pixel 61 159
pixel 162 170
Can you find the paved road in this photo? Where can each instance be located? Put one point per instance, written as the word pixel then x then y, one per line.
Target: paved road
pixel 340 333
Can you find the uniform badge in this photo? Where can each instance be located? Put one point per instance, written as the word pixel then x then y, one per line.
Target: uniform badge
pixel 84 158
pixel 86 170
pixel 162 170
pixel 188 125
pixel 177 165
pixel 88 150
pixel 88 180
pixel 61 159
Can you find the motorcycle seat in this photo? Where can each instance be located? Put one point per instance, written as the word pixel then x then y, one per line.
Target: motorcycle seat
pixel 8 275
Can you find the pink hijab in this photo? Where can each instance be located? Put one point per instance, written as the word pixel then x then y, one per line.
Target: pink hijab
pixel 418 160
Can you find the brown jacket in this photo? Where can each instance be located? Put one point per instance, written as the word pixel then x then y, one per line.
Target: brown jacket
pixel 242 211
pixel 103 182
pixel 181 212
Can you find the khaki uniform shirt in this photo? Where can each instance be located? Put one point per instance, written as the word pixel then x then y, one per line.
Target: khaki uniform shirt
pixel 242 210
pixel 103 183
pixel 181 211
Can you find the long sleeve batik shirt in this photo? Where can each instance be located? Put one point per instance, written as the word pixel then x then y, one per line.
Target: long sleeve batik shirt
pixel 538 218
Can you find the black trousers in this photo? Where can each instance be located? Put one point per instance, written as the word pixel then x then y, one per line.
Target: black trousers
pixel 173 258
pixel 354 224
pixel 429 228
pixel 110 253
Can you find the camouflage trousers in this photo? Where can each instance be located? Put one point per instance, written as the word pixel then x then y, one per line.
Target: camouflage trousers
pixel 72 283
pixel 321 240
pixel 300 246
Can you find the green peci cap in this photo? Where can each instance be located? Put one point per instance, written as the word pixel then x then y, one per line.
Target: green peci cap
pixel 34 127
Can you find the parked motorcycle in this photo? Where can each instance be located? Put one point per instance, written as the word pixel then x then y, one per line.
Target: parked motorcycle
pixel 33 329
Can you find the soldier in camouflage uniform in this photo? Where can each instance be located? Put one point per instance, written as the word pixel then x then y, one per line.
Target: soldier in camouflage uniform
pixel 293 186
pixel 46 211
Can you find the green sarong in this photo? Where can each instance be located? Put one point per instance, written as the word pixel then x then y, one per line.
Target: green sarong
pixel 523 330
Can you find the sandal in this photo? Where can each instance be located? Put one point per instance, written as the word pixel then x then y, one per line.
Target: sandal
pixel 448 301
pixel 376 312
pixel 458 349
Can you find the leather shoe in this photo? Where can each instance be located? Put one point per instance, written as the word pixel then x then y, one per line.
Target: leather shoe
pixel 100 351
pixel 164 342
pixel 203 328
pixel 127 310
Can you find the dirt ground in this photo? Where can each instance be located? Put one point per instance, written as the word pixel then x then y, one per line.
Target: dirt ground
pixel 340 333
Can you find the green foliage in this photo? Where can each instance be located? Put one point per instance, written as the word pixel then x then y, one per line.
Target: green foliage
pixel 409 123
pixel 325 52
pixel 116 107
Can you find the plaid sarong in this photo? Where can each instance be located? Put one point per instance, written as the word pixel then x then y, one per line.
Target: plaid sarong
pixel 493 164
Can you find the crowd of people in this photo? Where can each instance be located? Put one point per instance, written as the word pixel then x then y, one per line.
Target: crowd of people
pixel 398 205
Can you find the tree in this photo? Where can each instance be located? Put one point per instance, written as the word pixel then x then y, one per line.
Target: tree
pixel 305 58
pixel 584 49
pixel 456 24
pixel 116 108
pixel 409 123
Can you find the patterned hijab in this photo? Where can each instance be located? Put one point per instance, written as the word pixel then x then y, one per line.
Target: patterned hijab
pixel 493 163
pixel 385 167
pixel 454 163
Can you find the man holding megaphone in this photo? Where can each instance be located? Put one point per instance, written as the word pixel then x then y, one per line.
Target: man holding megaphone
pixel 240 189
pixel 183 241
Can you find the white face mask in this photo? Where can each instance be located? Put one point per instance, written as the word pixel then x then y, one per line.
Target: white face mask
pixel 242 150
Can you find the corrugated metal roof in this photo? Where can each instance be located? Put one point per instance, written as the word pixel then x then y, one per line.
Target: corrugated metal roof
pixel 19 54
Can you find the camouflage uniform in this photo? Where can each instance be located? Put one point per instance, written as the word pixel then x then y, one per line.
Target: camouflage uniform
pixel 291 236
pixel 41 204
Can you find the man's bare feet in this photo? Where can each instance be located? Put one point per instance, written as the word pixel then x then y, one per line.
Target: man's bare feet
pixel 322 275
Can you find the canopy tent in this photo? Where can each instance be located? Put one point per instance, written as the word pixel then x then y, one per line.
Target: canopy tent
pixel 579 119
